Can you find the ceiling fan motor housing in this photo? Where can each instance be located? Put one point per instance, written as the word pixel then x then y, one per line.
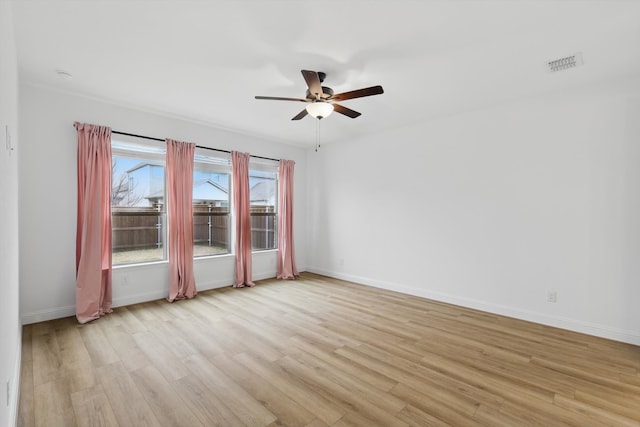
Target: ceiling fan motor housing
pixel 327 92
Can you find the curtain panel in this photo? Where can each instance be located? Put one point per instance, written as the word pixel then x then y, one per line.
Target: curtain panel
pixel 93 223
pixel 242 213
pixel 286 254
pixel 180 157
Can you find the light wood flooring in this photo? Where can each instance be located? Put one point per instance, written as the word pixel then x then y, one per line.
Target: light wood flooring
pixel 320 352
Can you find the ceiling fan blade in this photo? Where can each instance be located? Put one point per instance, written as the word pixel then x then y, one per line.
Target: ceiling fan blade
pixel 373 90
pixel 300 115
pixel 278 98
pixel 313 81
pixel 346 111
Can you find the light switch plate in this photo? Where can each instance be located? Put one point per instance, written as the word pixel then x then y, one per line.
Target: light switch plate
pixel 5 138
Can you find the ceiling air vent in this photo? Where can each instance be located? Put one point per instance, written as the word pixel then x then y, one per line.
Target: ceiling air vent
pixel 565 63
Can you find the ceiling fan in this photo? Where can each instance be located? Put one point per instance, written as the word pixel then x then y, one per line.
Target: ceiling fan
pixel 321 101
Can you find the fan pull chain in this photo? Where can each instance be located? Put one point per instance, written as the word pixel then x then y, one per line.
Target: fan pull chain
pixel 317 134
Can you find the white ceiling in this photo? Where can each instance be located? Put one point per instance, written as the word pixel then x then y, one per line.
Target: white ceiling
pixel 205 60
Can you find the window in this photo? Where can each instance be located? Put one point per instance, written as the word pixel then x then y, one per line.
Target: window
pixel 263 183
pixel 137 204
pixel 211 231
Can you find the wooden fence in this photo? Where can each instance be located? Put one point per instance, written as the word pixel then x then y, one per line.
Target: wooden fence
pixel 136 228
pixel 211 226
pixel 141 228
pixel 263 227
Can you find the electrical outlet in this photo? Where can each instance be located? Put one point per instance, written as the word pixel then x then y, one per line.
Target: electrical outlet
pixel 552 296
pixel 124 280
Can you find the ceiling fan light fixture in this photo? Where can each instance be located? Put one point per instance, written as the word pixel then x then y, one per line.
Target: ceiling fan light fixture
pixel 319 109
pixel 321 101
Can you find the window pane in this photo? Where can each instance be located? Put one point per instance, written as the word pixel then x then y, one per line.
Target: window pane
pixel 137 210
pixel 263 195
pixel 210 210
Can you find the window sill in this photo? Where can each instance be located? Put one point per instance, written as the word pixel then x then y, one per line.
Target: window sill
pixel 198 259
pixel 139 264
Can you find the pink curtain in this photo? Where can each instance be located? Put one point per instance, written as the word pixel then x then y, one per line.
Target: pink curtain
pixel 286 255
pixel 242 213
pixel 182 283
pixel 93 227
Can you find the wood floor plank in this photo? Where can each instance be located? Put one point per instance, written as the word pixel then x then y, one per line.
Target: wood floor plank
pixel 598 377
pixel 287 411
pixel 97 344
pixel 312 399
pixel 326 357
pixel 53 407
pixel 161 355
pixel 356 419
pixel 494 384
pixel 47 362
pixel 369 406
pixel 320 352
pixel 493 417
pixel 623 404
pixel 168 407
pixel 544 414
pixel 252 339
pixel 26 414
pixel 92 408
pixel 343 380
pixel 124 317
pixel 425 380
pixel 245 406
pixel 416 417
pixel 596 413
pixel 203 308
pixel 202 334
pixel 126 400
pixel 204 404
pixel 175 336
pixel 126 347
pixel 445 409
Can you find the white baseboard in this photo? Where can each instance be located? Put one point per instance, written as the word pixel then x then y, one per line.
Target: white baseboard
pixel 602 331
pixel 264 275
pixel 138 298
pixel 48 314
pixel 70 310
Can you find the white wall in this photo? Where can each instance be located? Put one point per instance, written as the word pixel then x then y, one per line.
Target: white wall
pixel 492 209
pixel 488 209
pixel 48 201
pixel 10 329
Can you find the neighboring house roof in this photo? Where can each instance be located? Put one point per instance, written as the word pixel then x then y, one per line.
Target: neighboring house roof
pixel 143 164
pixel 158 195
pixel 264 191
pixel 208 190
pixel 203 191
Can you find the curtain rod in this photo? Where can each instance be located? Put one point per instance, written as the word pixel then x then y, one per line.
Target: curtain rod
pixel 198 146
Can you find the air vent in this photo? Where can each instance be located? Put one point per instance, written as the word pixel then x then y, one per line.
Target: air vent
pixel 565 63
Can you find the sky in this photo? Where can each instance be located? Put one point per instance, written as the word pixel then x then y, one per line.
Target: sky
pixel 123 164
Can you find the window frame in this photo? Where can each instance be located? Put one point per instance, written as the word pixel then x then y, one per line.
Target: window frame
pixel 262 167
pixel 155 155
pixel 220 165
